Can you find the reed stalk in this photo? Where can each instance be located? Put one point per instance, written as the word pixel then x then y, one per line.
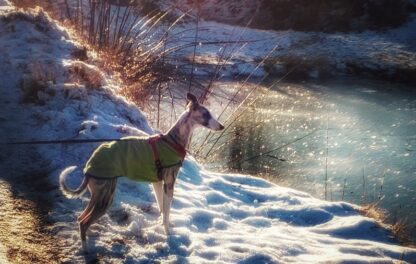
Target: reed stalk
pixel 326 160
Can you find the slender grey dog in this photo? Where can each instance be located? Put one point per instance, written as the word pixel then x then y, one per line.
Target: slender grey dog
pixel 152 159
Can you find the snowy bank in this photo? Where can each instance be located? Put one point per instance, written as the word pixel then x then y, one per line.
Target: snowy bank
pixel 389 54
pixel 217 218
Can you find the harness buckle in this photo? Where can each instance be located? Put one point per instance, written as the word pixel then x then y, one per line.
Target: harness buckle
pixel 159 169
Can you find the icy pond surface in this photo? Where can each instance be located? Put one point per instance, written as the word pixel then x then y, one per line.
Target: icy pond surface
pixel 356 139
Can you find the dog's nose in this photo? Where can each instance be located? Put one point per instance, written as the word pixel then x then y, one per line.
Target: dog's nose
pixel 221 127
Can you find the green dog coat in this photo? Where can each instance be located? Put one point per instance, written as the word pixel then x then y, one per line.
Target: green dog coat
pixel 134 158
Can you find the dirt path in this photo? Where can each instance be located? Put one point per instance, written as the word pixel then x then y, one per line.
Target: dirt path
pixel 23 231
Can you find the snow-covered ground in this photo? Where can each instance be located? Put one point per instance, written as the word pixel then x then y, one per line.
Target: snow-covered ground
pixel 3 252
pixel 217 218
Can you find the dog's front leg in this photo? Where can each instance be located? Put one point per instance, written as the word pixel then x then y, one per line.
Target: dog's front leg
pixel 167 201
pixel 168 185
pixel 158 187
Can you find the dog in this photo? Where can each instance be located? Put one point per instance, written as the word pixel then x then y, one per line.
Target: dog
pixel 155 159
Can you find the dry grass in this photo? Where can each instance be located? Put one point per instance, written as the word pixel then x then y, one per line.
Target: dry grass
pixel 372 210
pixel 30 91
pixel 35 83
pixel 80 72
pixel 399 228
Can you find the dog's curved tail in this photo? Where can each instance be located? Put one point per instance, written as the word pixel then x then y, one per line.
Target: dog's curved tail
pixel 67 191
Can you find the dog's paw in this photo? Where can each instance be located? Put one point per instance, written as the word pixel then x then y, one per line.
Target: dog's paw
pixel 167 230
pixel 84 247
pixel 169 224
pixel 168 227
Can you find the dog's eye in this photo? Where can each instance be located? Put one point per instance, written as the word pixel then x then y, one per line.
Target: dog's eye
pixel 206 116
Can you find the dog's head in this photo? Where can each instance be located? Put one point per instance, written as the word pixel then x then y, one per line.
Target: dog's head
pixel 200 115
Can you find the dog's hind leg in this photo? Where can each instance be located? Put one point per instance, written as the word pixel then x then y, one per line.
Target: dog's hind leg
pixel 102 194
pixel 158 187
pixel 86 211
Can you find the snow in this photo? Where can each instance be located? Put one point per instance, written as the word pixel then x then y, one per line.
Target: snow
pixel 217 218
pixel 3 258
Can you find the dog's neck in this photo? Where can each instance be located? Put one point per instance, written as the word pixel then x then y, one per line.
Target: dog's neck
pixel 181 131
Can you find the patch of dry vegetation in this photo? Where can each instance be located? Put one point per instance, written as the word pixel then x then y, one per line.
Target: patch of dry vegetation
pixel 399 228
pixel 128 45
pixel 373 211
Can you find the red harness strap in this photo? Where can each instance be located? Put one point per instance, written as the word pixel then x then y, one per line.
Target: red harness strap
pixel 178 148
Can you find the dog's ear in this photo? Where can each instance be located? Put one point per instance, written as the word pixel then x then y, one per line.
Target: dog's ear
pixel 192 98
pixel 193 102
